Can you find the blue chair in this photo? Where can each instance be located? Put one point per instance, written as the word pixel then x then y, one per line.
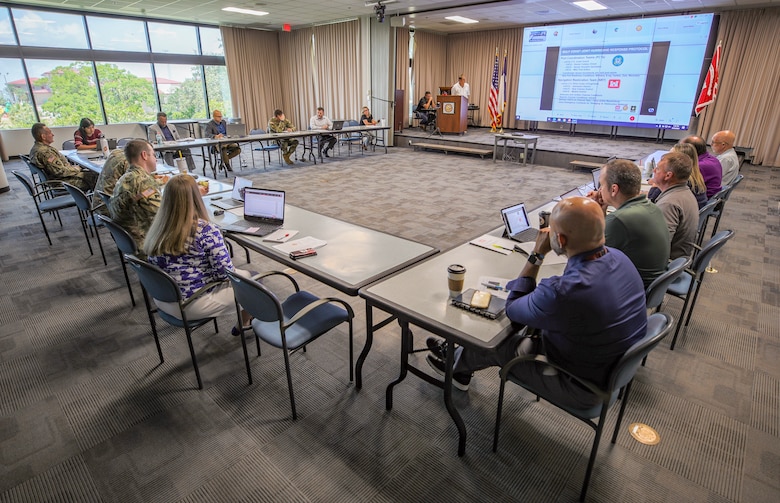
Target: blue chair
pixel 87 216
pixel 709 210
pixel 688 284
pixel 161 286
pixel 265 147
pixel 289 324
pixel 351 138
pixel 723 195
pixel 124 243
pixel 656 291
pixel 55 201
pixel 620 378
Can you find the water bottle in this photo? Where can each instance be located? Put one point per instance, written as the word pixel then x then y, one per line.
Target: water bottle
pixel 159 139
pixel 103 146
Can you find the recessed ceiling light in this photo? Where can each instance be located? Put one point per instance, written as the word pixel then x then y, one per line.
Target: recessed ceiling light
pixel 589 5
pixel 245 11
pixel 461 19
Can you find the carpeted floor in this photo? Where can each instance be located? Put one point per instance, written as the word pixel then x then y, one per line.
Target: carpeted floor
pixel 87 413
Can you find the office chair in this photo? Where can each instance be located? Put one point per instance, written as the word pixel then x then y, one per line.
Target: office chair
pixel 350 138
pixel 265 148
pixel 125 245
pixel 69 145
pixel 53 204
pixel 87 216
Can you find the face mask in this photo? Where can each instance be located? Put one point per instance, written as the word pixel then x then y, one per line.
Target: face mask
pixel 555 243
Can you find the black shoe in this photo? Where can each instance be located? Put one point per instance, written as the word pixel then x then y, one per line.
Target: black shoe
pixel 325 153
pixel 437 347
pixel 460 381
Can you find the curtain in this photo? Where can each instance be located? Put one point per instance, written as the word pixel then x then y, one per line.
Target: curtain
pixel 402 69
pixel 338 76
pixel 429 65
pixel 297 96
pixel 248 56
pixel 749 89
pixel 473 54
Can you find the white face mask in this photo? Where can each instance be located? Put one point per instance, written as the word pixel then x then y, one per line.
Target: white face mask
pixel 555 243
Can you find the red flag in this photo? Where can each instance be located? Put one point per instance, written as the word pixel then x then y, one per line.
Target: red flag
pixel 493 100
pixel 709 91
pixel 502 95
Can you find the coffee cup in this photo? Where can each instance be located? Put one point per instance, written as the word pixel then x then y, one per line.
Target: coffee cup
pixel 456 275
pixel 181 164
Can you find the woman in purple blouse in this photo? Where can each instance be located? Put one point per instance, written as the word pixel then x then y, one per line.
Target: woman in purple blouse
pixel 182 242
pixel 87 135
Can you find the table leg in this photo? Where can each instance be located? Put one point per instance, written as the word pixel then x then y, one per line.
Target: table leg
pixel 369 342
pixel 448 399
pixel 495 147
pixel 406 343
pixel 525 152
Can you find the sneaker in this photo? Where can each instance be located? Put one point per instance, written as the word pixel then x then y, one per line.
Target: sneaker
pixel 459 380
pixel 437 347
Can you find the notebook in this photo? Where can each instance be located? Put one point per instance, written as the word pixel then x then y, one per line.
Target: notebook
pixel 237 196
pixel 263 212
pixel 337 125
pixel 494 310
pixel 517 225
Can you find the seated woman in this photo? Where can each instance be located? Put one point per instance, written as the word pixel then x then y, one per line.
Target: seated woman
pixel 182 242
pixel 86 136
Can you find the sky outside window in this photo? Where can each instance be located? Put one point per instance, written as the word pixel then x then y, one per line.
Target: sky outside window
pixel 50 29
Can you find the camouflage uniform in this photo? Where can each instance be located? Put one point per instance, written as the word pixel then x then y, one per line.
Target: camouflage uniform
pixel 275 125
pixel 113 169
pixel 135 201
pixel 57 167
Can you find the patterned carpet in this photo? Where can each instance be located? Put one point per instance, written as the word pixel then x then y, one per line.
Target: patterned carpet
pixel 87 413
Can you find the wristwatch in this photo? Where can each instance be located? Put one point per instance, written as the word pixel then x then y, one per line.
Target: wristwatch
pixel 536 258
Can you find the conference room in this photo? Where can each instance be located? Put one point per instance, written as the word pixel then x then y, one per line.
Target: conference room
pixel 91 411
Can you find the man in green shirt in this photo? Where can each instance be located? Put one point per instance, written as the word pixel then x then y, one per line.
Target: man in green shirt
pixel 637 227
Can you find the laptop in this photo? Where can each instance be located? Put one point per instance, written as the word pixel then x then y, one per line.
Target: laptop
pixel 263 212
pixel 577 191
pixel 517 225
pixel 596 175
pixel 337 125
pixel 237 196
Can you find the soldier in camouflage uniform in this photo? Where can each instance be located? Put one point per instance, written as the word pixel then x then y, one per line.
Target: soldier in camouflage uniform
pixel 278 124
pixel 136 197
pixel 54 164
pixel 113 169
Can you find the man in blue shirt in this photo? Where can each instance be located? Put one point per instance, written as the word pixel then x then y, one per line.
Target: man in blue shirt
pixel 588 317
pixel 217 129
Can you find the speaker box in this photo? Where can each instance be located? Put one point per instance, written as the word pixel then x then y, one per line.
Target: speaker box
pixel 397 22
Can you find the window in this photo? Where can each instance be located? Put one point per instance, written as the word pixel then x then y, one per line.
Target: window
pixel 39 28
pixel 116 34
pixel 181 91
pixel 6 31
pixel 17 106
pixel 211 42
pixel 64 91
pixel 173 38
pixel 218 90
pixel 128 91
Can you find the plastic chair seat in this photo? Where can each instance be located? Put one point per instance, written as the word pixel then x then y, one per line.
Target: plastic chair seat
pixel 681 285
pixel 56 203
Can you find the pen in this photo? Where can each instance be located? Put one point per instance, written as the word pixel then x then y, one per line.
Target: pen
pixel 492 287
pixel 503 247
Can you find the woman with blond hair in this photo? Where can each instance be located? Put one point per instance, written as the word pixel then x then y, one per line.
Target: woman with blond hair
pixel 695 181
pixel 184 243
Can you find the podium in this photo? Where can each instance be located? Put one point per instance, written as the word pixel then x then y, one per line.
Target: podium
pixel 452 114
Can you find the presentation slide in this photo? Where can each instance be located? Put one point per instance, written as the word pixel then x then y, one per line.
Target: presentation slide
pixel 633 72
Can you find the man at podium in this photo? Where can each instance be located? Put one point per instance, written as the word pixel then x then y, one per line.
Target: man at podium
pixel 461 87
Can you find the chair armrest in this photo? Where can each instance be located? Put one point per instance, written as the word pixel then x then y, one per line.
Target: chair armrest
pixel 504 372
pixel 277 273
pixel 317 303
pixel 201 291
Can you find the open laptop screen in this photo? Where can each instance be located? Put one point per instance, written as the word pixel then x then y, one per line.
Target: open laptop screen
pixel 239 184
pixel 515 219
pixel 596 175
pixel 264 205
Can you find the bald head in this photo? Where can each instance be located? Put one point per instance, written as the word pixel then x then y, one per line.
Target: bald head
pixel 579 224
pixel 700 144
pixel 722 141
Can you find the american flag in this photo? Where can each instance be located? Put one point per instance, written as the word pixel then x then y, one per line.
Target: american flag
pixel 493 101
pixel 709 90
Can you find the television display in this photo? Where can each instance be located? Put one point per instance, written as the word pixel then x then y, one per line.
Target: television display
pixel 632 72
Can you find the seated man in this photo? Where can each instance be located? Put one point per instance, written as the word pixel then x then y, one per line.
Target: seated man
pixel 136 196
pixel 54 164
pixel 326 141
pixel 366 119
pixel 168 133
pixel 426 110
pixel 677 202
pixel 637 227
pixel 709 165
pixel 113 169
pixel 723 146
pixel 279 124
pixel 588 317
pixel 216 129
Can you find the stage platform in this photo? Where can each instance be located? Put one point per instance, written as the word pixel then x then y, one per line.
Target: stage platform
pixel 553 149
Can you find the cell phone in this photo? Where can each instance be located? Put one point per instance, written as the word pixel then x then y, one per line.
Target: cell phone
pixel 544 219
pixel 216 198
pixel 306 252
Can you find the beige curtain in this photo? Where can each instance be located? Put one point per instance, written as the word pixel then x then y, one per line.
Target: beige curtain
pixel 402 68
pixel 248 56
pixel 474 54
pixel 749 89
pixel 297 96
pixel 430 63
pixel 337 69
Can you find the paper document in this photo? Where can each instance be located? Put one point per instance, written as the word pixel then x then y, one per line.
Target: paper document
pixel 495 243
pixel 300 244
pixel 494 285
pixel 280 236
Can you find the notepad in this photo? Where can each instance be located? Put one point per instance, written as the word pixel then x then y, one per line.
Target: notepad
pixel 494 310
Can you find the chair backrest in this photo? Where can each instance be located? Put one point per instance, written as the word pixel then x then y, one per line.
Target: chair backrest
pixel 35 170
pixel 68 145
pixel 82 201
pixel 709 210
pixel 155 281
pixel 733 185
pixel 106 198
pixel 657 289
pixel 124 241
pixel 26 182
pixel 709 250
pixel 658 326
pixel 255 298
pixel 123 141
pixel 257 131
pixel 725 192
